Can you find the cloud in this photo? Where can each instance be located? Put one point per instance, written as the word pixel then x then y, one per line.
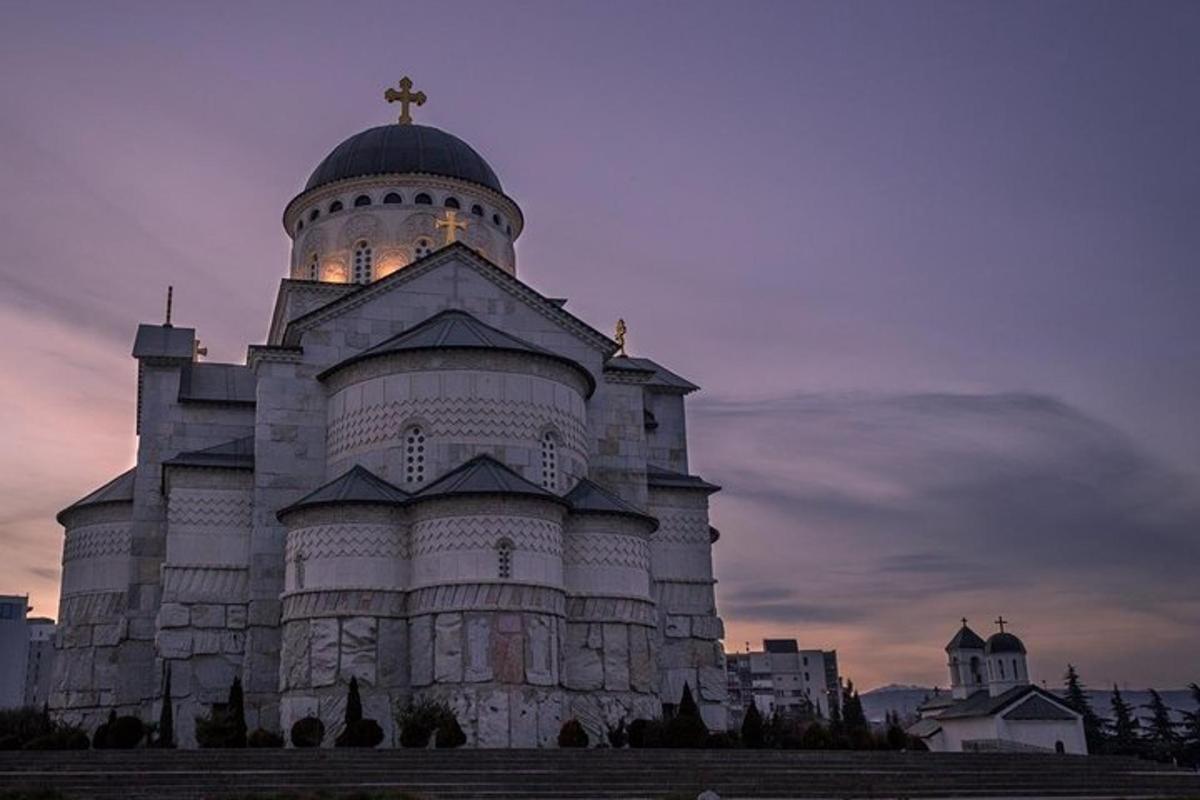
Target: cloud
pixel 888 516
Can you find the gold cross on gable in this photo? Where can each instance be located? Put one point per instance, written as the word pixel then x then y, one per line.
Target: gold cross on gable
pixel 404 97
pixel 452 224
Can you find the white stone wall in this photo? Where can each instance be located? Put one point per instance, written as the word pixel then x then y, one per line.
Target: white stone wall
pixel 606 556
pixel 96 552
pixel 666 444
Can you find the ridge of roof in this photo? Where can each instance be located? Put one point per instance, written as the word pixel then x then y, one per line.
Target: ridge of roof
pixel 483 474
pixel 983 704
pixel 669 479
pixel 661 376
pixel 589 497
pixel 117 490
pixel 358 486
pixel 419 267
pixel 234 454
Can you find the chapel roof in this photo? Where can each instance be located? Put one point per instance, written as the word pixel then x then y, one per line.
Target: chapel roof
pixel 456 329
pixel 484 475
pixel 983 704
pixel 356 486
pixel 669 479
pixel 659 376
pixel 589 497
pixel 235 454
pixel 118 490
pixel 965 639
pixel 212 382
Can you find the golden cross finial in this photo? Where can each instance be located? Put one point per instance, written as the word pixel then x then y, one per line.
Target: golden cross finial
pixel 621 331
pixel 452 224
pixel 404 97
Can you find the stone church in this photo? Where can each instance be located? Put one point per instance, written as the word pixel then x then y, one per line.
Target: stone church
pixel 430 477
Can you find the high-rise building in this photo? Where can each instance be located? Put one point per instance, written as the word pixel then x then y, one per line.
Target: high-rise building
pixel 782 677
pixel 39 662
pixel 14 648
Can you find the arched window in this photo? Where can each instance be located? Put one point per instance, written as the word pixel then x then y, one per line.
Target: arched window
pixel 452 202
pixel 495 219
pixel 477 210
pixel 1000 664
pixel 508 229
pixel 362 263
pixel 335 206
pixel 549 461
pixel 314 268
pixel 504 549
pixel 391 198
pixel 423 248
pixel 1016 672
pixel 362 200
pixel 299 564
pixel 299 226
pixel 414 455
pixel 423 199
pixel 312 215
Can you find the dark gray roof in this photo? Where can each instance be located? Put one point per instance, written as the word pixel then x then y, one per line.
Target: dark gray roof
pixel 668 479
pixel 392 149
pixel 965 639
pixel 937 700
pixel 781 646
pixel 236 454
pixel 660 376
pixel 1039 708
pixel 118 490
pixel 982 704
pixel 217 383
pixel 358 486
pixel 455 329
pixel 589 497
pixel 483 475
pixel 1004 643
pixel 924 728
pixel 164 341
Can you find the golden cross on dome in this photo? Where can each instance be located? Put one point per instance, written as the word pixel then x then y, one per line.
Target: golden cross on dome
pixel 404 97
pixel 452 224
pixel 620 337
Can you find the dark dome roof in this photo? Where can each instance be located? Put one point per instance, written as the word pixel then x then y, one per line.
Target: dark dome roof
pixel 404 148
pixel 1004 643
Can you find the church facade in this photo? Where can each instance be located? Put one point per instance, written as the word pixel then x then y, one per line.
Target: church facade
pixel 430 477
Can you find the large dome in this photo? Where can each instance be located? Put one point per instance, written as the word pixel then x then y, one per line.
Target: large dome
pixel 391 149
pixel 1004 643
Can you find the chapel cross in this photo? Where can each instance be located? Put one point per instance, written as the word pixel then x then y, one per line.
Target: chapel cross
pixel 620 337
pixel 1001 621
pixel 452 224
pixel 404 97
pixel 964 619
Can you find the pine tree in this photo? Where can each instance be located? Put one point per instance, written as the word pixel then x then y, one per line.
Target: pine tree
pixel 1125 738
pixel 166 717
pixel 752 727
pixel 1192 729
pixel 1077 698
pixel 1161 733
pixel 236 711
pixel 354 711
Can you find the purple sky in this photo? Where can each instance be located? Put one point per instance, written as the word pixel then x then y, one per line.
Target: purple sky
pixel 935 265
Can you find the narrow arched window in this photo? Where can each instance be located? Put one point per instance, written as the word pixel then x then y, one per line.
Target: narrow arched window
pixel 508 229
pixel 312 215
pixel 549 461
pixel 392 198
pixel 477 210
pixel 414 455
pixel 362 200
pixel 1016 672
pixel 299 226
pixel 495 219
pixel 423 248
pixel 452 202
pixel 423 200
pixel 335 206
pixel 1001 665
pixel 314 268
pixel 504 549
pixel 299 564
pixel 362 263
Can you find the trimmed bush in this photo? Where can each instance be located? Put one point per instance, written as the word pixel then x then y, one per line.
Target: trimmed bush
pixel 572 734
pixel 618 737
pixel 723 740
pixel 125 733
pixel 65 738
pixel 225 726
pixel 308 732
pixel 261 737
pixel 449 733
pixel 421 720
pixel 100 737
pixel 645 733
pixel 361 733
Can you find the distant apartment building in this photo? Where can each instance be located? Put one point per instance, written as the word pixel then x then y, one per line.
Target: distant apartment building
pixel 782 677
pixel 26 653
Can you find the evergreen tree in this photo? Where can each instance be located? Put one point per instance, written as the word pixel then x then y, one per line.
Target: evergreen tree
pixel 1161 733
pixel 236 711
pixel 166 717
pixel 1125 737
pixel 752 727
pixel 354 711
pixel 1192 727
pixel 1077 698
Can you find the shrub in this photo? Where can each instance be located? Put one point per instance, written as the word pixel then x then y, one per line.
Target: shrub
pixel 752 727
pixel 100 737
pixel 618 737
pixel 64 738
pixel 125 733
pixel 723 740
pixel 226 724
pixel 20 725
pixel 816 737
pixel 572 734
pixel 308 732
pixel 646 733
pixel 449 733
pixel 421 720
pixel 261 737
pixel 362 733
pixel 686 728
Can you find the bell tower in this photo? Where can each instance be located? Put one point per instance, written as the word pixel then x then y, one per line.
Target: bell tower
pixel 966 654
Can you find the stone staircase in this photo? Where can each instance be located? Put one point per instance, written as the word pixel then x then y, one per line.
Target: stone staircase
pixel 443 775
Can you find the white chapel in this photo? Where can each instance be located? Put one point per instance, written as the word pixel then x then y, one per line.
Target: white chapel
pixel 430 477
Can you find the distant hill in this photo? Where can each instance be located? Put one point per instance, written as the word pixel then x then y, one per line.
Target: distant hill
pixel 905 699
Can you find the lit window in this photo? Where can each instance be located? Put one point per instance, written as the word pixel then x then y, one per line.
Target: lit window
pixel 423 200
pixel 414 455
pixel 392 198
pixel 362 263
pixel 362 200
pixel 335 206
pixel 424 247
pixel 504 549
pixel 452 202
pixel 314 268
pixel 549 461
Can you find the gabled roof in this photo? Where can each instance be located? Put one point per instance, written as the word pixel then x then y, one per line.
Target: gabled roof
pixel 669 479
pixel 237 454
pixel 358 486
pixel 456 329
pixel 589 497
pixel 118 490
pixel 924 728
pixel 982 704
pixel 463 254
pixel 1039 708
pixel 659 376
pixel 483 475
pixel 210 382
pixel 965 639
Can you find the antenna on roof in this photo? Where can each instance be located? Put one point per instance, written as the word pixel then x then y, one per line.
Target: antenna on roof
pixel 170 295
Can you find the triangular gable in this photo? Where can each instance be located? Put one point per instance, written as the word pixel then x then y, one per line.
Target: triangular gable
pixel 484 475
pixel 1040 707
pixel 454 253
pixel 357 486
